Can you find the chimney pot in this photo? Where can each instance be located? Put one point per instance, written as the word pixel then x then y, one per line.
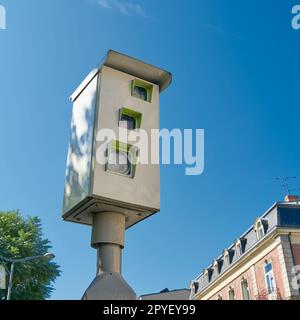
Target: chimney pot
pixel 291 198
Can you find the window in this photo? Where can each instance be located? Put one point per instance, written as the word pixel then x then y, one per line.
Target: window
pixel 238 250
pixel 129 119
pixel 259 227
pixel 141 90
pixel 226 258
pixel 245 289
pixel 240 246
pixel 231 294
pixel 121 159
pixel 195 286
pixel 215 267
pixel 269 277
pixel 206 277
pixel 243 242
pixel 208 274
pixel 260 230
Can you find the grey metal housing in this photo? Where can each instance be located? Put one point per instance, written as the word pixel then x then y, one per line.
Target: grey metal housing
pixel 89 188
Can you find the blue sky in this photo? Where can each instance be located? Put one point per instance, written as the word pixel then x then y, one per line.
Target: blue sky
pixel 236 74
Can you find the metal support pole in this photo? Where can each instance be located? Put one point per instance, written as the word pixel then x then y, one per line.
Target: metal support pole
pixel 10 284
pixel 108 238
pixel 109 258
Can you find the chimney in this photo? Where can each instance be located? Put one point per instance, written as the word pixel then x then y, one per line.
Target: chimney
pixel 291 198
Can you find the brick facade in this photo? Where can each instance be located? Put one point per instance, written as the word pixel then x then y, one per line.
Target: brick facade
pixel 236 285
pixel 255 277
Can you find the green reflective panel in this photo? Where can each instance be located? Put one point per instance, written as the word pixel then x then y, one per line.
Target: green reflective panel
pixel 130 119
pixel 121 159
pixel 141 90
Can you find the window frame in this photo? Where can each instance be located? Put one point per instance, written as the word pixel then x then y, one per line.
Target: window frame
pixel 238 248
pixel 259 229
pixel 231 289
pixel 195 287
pixel 227 258
pixel 243 281
pixel 216 267
pixel 270 274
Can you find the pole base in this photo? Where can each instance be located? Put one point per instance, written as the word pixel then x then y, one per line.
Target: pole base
pixel 109 286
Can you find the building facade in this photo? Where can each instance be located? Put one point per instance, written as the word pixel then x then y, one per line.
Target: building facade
pixel 262 264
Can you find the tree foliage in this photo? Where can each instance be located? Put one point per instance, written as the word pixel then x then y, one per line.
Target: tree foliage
pixel 22 237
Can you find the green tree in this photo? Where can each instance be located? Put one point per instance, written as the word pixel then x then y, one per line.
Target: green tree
pixel 22 237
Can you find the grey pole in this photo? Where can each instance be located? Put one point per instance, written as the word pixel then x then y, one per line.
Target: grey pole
pixel 108 238
pixel 10 284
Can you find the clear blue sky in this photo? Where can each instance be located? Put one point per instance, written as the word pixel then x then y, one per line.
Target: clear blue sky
pixel 236 74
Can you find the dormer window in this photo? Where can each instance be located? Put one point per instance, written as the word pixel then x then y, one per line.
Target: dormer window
pixel 243 244
pixel 206 277
pixel 260 231
pixel 228 256
pixel 238 248
pixel 215 267
pixel 259 227
pixel 195 286
pixel 208 273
